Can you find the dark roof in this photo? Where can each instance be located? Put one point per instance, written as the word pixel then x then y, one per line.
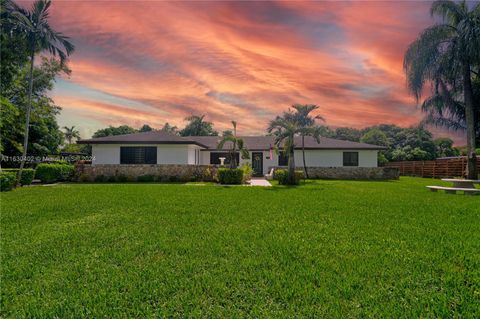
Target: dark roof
pixel 266 142
pixel 210 142
pixel 153 137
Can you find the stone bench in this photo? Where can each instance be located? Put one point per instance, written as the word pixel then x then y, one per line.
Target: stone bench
pixel 453 190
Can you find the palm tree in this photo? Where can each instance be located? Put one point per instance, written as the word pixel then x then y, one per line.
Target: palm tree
pixel 448 51
pixel 40 37
pixel 237 143
pixel 71 133
pixel 307 127
pixel 284 128
pixel 198 127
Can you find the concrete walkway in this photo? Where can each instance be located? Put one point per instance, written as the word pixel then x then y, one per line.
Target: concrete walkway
pixel 260 182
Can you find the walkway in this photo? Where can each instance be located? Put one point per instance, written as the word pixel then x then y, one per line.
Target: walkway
pixel 260 182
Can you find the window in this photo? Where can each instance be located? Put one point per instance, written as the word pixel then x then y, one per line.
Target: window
pixel 138 155
pixel 282 159
pixel 215 158
pixel 350 158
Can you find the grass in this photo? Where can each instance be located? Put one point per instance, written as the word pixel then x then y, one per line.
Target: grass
pixel 335 249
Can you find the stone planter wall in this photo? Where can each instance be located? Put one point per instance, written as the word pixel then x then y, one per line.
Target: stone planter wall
pixel 352 173
pixel 159 173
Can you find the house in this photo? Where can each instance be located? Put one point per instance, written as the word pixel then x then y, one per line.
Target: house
pixel 158 147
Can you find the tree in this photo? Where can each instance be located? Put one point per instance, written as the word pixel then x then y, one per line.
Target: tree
pixel 446 52
pixel 284 128
pixel 198 127
pixel 109 131
pixel 237 143
pixel 71 133
pixel 145 128
pixel 169 129
pixel 375 136
pixel 39 36
pixel 306 124
pixel 44 135
pixel 227 133
pixel 444 147
pixel 348 134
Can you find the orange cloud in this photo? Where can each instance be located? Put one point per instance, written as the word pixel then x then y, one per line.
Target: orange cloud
pixel 158 62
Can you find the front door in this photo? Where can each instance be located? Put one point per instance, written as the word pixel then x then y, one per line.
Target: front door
pixel 257 163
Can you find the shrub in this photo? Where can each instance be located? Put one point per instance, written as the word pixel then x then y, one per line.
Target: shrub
pixel 7 181
pixel 247 172
pixel 111 179
pixel 84 178
pixel 281 175
pixel 28 174
pixel 230 175
pixel 122 178
pixel 100 178
pixel 49 173
pixel 146 178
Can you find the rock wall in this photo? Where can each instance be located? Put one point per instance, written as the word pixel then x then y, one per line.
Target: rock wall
pixel 355 173
pixel 350 173
pixel 158 173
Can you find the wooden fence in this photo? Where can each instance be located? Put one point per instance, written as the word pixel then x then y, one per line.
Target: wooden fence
pixel 439 168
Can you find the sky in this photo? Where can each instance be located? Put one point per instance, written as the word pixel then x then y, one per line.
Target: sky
pixel 153 62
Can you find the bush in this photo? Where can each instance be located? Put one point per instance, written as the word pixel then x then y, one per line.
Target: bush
pixel 84 178
pixel 146 178
pixel 49 173
pixel 7 181
pixel 247 172
pixel 281 175
pixel 111 179
pixel 100 178
pixel 230 175
pixel 122 178
pixel 28 174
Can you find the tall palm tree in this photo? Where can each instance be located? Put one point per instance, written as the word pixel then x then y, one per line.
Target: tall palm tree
pixel 448 51
pixel 40 36
pixel 306 123
pixel 237 143
pixel 284 128
pixel 197 126
pixel 71 133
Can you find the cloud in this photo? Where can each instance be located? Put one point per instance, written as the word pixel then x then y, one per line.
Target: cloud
pixel 159 61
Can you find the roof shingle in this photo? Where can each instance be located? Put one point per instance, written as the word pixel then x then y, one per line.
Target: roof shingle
pixel 211 142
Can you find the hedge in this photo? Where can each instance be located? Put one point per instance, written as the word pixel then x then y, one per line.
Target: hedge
pixel 28 174
pixel 7 181
pixel 50 173
pixel 230 175
pixel 281 175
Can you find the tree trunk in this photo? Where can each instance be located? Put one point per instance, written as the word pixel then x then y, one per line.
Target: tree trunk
pixel 470 121
pixel 303 152
pixel 291 165
pixel 27 116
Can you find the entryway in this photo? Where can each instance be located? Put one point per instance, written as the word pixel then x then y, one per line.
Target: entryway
pixel 257 163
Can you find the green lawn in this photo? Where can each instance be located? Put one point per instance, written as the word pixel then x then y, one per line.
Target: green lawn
pixel 329 248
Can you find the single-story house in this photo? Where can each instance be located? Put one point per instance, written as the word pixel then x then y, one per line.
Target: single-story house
pixel 158 147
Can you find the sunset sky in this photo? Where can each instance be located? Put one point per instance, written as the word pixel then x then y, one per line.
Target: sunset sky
pixel 155 62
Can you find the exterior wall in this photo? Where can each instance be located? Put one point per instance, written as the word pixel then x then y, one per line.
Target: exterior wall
pixel 158 173
pixel 313 158
pixel 354 173
pixel 334 158
pixel 166 153
pixel 193 155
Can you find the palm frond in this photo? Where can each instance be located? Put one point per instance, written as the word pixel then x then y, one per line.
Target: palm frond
pixel 448 10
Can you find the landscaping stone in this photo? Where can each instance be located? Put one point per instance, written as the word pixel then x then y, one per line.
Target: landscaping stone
pixel 159 173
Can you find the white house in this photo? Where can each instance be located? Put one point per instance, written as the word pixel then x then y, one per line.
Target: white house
pixel 164 148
